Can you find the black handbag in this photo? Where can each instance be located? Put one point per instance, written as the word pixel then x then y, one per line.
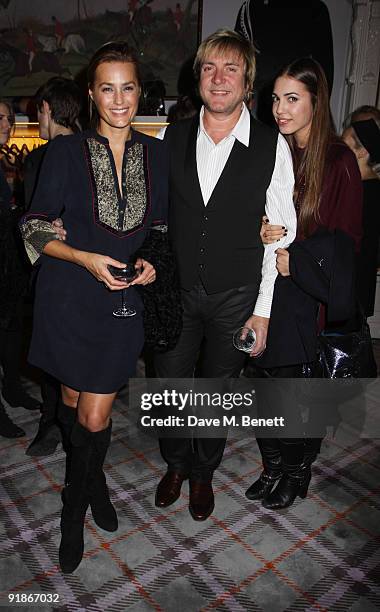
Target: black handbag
pixel 347 355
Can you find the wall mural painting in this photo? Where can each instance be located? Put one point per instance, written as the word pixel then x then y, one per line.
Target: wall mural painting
pixel 42 38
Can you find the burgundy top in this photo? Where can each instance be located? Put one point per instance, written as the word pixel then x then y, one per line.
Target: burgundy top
pixel 342 194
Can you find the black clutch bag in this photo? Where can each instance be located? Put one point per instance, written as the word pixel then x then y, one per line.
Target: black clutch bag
pixel 348 355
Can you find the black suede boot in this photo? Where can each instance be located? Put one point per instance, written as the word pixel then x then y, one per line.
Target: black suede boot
pixel 102 509
pixel 8 429
pixel 76 500
pixel 16 396
pixel 46 439
pixel 66 417
pixel 296 476
pixel 48 435
pixel 272 472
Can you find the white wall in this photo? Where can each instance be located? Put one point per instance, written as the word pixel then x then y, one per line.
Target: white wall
pixel 219 13
pixel 341 17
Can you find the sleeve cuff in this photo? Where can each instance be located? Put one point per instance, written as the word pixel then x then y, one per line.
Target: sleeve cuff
pixel 263 305
pixel 36 234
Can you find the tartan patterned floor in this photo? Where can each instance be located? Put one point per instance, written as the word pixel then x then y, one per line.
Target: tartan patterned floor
pixel 322 554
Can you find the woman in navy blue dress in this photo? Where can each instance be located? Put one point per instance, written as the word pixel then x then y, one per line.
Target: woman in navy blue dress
pixel 109 185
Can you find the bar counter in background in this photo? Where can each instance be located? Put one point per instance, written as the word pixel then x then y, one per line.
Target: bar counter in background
pixel 26 133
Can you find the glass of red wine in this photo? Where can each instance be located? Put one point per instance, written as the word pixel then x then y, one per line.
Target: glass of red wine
pixel 126 275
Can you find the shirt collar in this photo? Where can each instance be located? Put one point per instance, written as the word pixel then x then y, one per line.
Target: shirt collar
pixel 241 131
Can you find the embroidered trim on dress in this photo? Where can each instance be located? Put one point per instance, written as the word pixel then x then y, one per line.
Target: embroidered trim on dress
pixel 128 215
pixel 134 187
pixel 36 234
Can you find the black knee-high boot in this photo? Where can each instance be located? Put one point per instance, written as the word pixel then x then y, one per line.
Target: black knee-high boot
pixel 296 476
pixel 76 500
pixel 272 472
pixel 66 418
pixel 102 509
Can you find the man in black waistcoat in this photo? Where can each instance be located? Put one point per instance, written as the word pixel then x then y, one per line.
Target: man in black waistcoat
pixel 226 171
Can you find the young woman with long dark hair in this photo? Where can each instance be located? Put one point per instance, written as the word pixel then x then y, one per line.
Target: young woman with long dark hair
pixel 327 197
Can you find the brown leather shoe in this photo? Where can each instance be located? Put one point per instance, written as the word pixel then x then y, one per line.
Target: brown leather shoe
pixel 201 500
pixel 169 489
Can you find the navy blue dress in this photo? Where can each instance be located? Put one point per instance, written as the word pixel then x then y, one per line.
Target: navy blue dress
pixel 75 337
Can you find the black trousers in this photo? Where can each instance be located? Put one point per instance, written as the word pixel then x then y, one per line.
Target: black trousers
pixel 208 324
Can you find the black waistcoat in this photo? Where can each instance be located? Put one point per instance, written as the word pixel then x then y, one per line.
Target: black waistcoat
pixel 219 243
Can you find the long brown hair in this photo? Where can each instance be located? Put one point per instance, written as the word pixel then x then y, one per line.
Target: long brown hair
pixel 309 169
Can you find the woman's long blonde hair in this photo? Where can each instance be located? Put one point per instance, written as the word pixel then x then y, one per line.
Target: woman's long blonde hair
pixel 309 171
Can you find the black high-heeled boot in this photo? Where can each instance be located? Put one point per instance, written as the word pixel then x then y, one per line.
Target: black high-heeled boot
pixel 76 500
pixel 66 417
pixel 272 472
pixel 102 509
pixel 296 476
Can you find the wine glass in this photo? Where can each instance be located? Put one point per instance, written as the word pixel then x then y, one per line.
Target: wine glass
pixel 127 275
pixel 244 339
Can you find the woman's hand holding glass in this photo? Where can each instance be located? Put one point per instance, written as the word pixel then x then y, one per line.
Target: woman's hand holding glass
pixel 147 274
pixel 98 264
pixel 101 273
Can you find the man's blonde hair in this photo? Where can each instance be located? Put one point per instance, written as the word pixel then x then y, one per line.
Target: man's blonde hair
pixel 223 41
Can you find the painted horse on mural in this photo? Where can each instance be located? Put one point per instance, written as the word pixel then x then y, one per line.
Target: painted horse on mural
pixel 71 43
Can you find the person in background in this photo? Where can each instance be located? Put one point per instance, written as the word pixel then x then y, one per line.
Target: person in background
pixel 327 197
pixel 14 280
pixel 362 135
pixel 109 185
pixel 58 104
pixel 361 114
